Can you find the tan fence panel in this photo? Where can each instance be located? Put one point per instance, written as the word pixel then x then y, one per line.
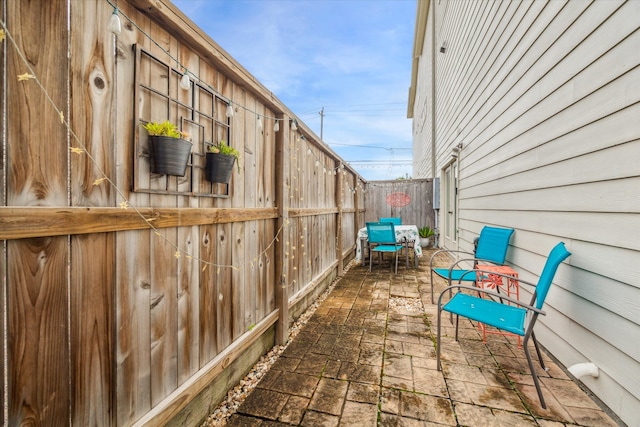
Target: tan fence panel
pixel 411 200
pixel 36 173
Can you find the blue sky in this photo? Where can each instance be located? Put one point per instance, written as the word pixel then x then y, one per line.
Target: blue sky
pixel 352 57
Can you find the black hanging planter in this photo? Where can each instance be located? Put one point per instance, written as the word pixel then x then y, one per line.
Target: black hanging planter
pixel 169 156
pixel 219 167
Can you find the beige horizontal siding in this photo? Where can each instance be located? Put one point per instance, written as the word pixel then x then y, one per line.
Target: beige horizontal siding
pixel 545 98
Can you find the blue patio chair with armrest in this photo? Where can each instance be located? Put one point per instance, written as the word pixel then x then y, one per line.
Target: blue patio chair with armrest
pixel 492 246
pixel 382 239
pixel 397 221
pixel 393 220
pixel 516 317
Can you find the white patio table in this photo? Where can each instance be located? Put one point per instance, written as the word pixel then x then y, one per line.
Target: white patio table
pixel 408 232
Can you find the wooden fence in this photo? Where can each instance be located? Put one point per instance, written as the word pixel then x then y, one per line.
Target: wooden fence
pixel 134 298
pixel 411 200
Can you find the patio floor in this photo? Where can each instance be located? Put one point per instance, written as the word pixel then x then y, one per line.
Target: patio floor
pixel 366 357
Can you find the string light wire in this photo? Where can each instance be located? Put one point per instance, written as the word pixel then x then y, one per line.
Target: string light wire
pixel 229 112
pixel 115 25
pixel 125 204
pixel 180 65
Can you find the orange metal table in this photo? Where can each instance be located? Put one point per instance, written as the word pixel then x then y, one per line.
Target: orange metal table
pixel 508 286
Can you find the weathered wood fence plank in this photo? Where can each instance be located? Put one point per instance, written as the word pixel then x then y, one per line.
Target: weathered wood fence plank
pixel 92 255
pixel 410 200
pixel 37 275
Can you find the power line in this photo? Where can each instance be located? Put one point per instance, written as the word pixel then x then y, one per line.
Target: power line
pixel 384 162
pixel 350 113
pixel 380 166
pixel 397 115
pixel 367 110
pixel 370 146
pixel 344 108
pixel 367 105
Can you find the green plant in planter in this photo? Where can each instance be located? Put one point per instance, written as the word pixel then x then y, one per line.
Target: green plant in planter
pixel 219 162
pixel 168 148
pixel 165 128
pixel 222 148
pixel 425 234
pixel 425 231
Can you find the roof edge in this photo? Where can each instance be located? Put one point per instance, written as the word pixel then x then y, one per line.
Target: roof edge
pixel 422 13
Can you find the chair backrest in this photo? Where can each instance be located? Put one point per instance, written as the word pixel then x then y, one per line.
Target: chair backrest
pixel 493 244
pixel 381 232
pixel 558 254
pixel 393 220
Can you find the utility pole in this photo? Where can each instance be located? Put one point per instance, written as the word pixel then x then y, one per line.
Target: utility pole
pixel 321 122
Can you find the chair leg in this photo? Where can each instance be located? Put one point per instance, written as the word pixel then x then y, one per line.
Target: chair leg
pixel 396 262
pixel 535 344
pixel 370 259
pixel 438 367
pixel 451 296
pixel 431 268
pixel 363 245
pixel 457 323
pixel 536 380
pixel 407 254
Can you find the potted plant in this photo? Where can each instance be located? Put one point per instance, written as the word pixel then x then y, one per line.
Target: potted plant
pixel 425 234
pixel 168 149
pixel 219 162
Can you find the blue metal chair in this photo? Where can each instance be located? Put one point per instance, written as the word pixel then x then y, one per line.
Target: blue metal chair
pixel 397 221
pixel 382 238
pixel 514 316
pixel 491 248
pixel 393 220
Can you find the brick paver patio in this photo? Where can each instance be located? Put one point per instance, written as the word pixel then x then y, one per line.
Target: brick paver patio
pixel 367 357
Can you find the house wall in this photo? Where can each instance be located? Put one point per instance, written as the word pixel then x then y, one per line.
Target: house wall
pixel 421 109
pixel 544 98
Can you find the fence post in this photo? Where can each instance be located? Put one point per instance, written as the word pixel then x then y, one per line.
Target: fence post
pixel 283 180
pixel 356 208
pixel 339 196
